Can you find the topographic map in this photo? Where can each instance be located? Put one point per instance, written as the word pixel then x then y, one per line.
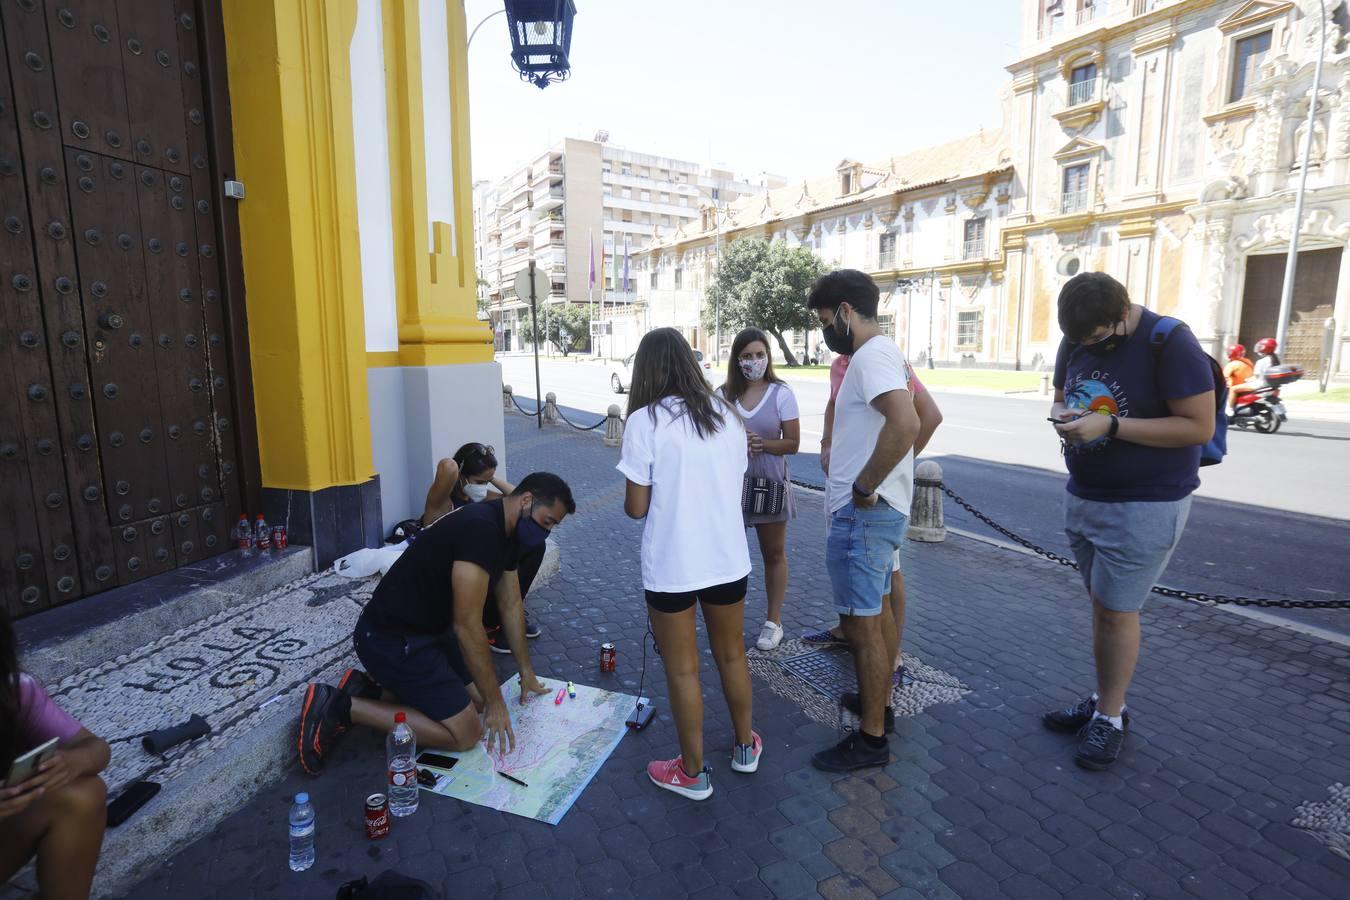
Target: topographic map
pixel 559 748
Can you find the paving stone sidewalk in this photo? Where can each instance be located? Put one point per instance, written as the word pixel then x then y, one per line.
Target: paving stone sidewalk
pixel 1236 725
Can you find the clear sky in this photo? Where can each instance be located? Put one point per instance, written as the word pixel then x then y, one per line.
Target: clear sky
pixel 783 86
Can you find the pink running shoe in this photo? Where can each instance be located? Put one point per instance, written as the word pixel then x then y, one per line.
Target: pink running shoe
pixel 745 757
pixel 669 774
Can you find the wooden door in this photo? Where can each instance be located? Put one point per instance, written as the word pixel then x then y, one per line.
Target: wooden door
pixel 1314 300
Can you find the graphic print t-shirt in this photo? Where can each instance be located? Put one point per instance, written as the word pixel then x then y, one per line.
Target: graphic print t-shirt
pixel 1133 382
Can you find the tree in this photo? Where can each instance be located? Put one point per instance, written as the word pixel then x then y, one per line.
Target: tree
pixel 568 327
pixel 762 284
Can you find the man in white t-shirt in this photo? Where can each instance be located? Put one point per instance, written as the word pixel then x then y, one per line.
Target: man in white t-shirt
pixel 867 498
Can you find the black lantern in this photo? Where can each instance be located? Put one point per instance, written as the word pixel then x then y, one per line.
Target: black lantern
pixel 541 38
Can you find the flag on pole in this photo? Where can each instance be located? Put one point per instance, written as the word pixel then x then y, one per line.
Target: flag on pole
pixel 590 241
pixel 625 264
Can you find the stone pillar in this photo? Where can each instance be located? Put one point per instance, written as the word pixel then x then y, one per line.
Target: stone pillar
pixel 550 408
pixel 925 514
pixel 507 398
pixel 613 427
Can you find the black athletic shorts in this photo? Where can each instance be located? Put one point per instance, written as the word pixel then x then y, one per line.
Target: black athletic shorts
pixel 424 671
pixel 717 595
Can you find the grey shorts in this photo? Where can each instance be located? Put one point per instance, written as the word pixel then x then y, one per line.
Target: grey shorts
pixel 1123 548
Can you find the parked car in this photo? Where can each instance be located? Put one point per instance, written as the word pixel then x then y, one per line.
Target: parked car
pixel 621 376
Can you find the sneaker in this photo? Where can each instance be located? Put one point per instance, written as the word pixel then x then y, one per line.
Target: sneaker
pixel 851 753
pixel 745 757
pixel 532 630
pixel 356 683
pixel 670 774
pixel 497 641
pixel 1076 717
pixel 853 703
pixel 900 678
pixel 1100 745
pixel 823 638
pixel 770 636
pixel 326 712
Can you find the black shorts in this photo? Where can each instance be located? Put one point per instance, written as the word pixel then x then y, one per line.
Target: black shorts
pixel 717 595
pixel 424 671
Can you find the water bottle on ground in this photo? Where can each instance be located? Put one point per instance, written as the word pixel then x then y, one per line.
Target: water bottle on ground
pixel 302 833
pixel 401 749
pixel 243 535
pixel 262 534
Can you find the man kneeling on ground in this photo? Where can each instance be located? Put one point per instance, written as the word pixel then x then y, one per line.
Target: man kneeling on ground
pixel 421 636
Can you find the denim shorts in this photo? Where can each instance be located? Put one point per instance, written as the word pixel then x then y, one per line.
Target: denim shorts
pixel 1123 548
pixel 858 555
pixel 424 671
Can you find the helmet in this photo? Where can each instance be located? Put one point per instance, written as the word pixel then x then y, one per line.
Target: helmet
pixel 1266 345
pixel 1237 351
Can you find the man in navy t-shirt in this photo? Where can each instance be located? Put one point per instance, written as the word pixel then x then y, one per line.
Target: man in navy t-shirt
pixel 1133 419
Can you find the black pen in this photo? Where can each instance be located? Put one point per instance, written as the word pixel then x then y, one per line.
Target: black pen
pixel 512 778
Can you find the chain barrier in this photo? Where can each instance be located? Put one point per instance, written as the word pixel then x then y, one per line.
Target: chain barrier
pixel 523 409
pixel 560 415
pixel 1193 596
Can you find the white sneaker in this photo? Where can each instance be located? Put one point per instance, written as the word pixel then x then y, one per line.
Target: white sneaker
pixel 769 636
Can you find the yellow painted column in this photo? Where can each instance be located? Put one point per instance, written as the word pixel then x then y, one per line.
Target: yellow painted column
pixel 290 93
pixel 435 286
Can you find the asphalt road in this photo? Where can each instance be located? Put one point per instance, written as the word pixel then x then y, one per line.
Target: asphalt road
pixel 1271 521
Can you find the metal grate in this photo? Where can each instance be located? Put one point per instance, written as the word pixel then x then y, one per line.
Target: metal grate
pixel 828 671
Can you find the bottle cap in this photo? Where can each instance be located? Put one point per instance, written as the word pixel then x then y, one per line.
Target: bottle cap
pixel 400 718
pixel 302 797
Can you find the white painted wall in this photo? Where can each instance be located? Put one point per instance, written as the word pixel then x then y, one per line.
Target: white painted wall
pixel 374 217
pixel 436 116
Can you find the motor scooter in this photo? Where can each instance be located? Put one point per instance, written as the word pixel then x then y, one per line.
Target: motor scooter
pixel 1261 408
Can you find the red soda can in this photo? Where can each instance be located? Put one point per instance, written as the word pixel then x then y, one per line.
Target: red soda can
pixel 377 816
pixel 607 657
pixel 279 537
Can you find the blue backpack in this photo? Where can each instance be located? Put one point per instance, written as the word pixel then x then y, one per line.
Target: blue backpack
pixel 1213 452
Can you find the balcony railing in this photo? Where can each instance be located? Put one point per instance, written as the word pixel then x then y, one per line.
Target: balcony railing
pixel 973 249
pixel 1073 201
pixel 1081 92
pixel 886 260
pixel 1088 13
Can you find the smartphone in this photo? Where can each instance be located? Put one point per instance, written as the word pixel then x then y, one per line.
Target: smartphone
pixel 27 765
pixel 437 761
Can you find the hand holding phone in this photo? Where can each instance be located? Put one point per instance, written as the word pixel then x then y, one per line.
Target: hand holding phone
pixel 26 766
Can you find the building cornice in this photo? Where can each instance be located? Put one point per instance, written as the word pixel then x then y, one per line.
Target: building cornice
pixel 1105 33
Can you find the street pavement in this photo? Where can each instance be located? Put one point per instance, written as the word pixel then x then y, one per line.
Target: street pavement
pixel 1236 725
pixel 1277 501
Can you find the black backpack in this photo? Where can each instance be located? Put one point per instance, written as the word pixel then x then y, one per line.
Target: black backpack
pixel 388 885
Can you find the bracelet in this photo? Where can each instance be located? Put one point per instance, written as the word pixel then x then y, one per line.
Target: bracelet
pixel 860 492
pixel 1115 426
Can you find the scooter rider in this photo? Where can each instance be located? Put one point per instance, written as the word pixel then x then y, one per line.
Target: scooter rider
pixel 1237 373
pixel 1266 357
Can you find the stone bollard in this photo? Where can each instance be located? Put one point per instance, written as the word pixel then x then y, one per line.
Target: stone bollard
pixel 506 398
pixel 1045 384
pixel 550 409
pixel 613 427
pixel 925 515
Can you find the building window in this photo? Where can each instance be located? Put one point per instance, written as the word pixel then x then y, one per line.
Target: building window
pixel 1248 55
pixel 653 279
pixel 625 169
pixel 974 245
pixel 845 183
pixel 970 330
pixel 626 193
pixel 1083 84
pixel 886 251
pixel 1075 196
pixel 646 196
pixel 679 277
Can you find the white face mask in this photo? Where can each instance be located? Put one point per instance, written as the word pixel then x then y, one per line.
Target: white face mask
pixel 476 492
pixel 754 369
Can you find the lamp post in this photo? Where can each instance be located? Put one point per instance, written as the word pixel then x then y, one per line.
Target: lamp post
pixel 541 39
pixel 932 309
pixel 1291 263
pixel 481 23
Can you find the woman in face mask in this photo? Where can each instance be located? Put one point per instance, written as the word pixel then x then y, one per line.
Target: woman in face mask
pixel 773 432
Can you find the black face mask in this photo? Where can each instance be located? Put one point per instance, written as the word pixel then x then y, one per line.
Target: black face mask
pixel 837 341
pixel 1107 345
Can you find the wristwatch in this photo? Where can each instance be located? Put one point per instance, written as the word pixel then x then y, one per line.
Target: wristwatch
pixel 857 489
pixel 1115 426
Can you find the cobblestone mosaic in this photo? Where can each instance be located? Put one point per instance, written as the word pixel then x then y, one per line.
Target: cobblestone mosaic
pixel 1329 820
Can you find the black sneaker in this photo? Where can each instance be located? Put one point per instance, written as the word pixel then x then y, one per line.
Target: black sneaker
pixel 326 712
pixel 1100 745
pixel 532 630
pixel 853 703
pixel 851 753
pixel 497 642
pixel 356 683
pixel 1076 717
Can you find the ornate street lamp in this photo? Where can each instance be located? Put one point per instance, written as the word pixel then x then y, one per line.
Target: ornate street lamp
pixel 541 38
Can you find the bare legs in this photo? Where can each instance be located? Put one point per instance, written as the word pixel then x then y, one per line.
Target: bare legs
pixel 893 604
pixel 866 637
pixel 459 732
pixel 65 830
pixel 676 635
pixel 1115 647
pixel 772 546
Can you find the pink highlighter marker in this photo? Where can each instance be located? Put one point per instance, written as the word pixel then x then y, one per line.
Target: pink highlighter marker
pixel 562 692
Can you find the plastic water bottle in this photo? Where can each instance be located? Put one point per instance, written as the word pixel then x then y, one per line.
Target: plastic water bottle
pixel 262 534
pixel 302 833
pixel 243 535
pixel 401 748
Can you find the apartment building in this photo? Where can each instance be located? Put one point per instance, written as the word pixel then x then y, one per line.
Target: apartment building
pixel 575 208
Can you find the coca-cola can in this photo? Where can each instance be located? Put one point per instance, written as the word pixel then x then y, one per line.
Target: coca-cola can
pixel 377 816
pixel 607 657
pixel 279 537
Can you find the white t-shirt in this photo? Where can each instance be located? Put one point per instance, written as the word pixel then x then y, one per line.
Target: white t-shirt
pixel 694 536
pixel 783 398
pixel 1262 364
pixel 877 368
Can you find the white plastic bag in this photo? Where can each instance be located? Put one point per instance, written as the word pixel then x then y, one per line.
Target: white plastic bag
pixel 366 562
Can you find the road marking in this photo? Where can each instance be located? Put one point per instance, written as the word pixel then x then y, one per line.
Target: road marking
pixel 946 424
